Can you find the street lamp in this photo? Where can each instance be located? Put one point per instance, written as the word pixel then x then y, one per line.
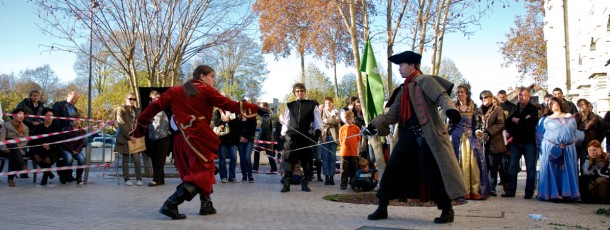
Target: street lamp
pixel 93 4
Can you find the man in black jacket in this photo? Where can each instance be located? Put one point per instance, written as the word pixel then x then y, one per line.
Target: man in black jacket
pixel 521 125
pixel 66 108
pixel 32 106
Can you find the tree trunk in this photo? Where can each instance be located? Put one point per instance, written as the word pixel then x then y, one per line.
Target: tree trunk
pixel 390 47
pixel 335 78
pixel 436 36
pixel 392 32
pixel 302 54
pixel 424 25
pixel 441 38
pixel 420 12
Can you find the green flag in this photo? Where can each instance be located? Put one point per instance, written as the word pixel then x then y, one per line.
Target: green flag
pixel 375 95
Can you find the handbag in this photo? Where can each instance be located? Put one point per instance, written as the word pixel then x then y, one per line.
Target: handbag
pixel 556 155
pixel 222 131
pixel 137 147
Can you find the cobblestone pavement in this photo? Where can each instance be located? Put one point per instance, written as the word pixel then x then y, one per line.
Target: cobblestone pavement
pixel 102 204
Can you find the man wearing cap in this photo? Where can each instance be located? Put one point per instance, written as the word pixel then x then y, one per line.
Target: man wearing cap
pixel 423 152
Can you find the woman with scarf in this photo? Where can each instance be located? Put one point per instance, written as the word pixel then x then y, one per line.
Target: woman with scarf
pixel 15 128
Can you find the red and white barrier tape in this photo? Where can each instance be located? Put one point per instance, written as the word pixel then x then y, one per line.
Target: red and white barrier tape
pixel 41 170
pixel 31 138
pixel 67 140
pixel 58 118
pixel 265 142
pixel 266 149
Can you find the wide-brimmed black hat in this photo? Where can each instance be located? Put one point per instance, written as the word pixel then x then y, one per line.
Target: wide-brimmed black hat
pixel 406 57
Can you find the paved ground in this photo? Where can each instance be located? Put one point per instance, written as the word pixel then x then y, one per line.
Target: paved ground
pixel 102 204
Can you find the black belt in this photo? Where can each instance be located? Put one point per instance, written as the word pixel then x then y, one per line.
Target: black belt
pixel 412 131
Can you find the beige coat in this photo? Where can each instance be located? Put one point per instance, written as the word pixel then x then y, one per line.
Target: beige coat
pixel 331 121
pixel 125 117
pixel 493 122
pixel 426 103
pixel 8 131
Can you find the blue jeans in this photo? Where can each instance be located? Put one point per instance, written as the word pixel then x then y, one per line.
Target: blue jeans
pixel 231 150
pixel 529 152
pixel 69 157
pixel 329 158
pixel 245 160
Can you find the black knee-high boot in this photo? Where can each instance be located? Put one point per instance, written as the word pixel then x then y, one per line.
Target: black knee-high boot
pixel 287 180
pixel 185 191
pixel 305 184
pixel 207 208
pixel 381 212
pixel 79 176
pixel 446 216
pixel 45 175
pixel 287 176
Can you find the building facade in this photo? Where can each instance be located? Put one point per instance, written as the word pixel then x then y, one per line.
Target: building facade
pixel 588 39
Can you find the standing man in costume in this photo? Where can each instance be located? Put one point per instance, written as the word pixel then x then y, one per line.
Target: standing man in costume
pixel 423 152
pixel 302 127
pixel 192 105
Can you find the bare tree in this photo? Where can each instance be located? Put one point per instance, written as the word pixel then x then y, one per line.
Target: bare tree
pixel 43 77
pixel 240 67
pixel 103 69
pixel 333 42
pixel 394 17
pixel 150 37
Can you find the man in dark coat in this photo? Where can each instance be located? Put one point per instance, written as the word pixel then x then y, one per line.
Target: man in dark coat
pixel 521 125
pixel 65 108
pixel 32 106
pixel 423 152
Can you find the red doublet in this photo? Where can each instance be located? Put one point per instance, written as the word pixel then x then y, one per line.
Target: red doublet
pixel 195 144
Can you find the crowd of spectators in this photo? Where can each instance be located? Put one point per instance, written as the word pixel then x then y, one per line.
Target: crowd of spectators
pixel 560 141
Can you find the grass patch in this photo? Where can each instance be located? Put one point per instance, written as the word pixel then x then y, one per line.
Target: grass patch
pixel 371 198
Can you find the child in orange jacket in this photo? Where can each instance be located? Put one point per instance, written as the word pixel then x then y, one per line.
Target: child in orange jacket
pixel 349 136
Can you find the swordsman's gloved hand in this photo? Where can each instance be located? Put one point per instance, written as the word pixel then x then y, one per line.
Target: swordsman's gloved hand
pixel 370 130
pixel 262 112
pixel 454 116
pixel 317 134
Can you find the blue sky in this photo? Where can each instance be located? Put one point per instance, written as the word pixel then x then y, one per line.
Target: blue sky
pixel 477 57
